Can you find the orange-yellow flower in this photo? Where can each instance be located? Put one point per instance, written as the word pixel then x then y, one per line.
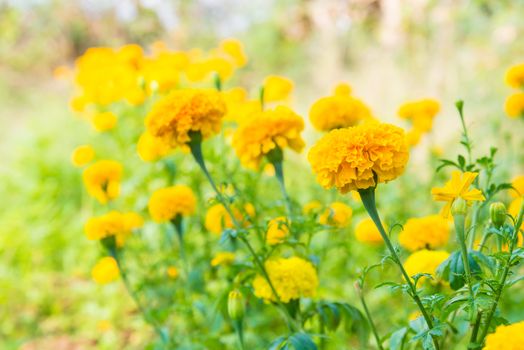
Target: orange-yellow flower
pixel 506 337
pixel 425 261
pixel 166 204
pixel 342 89
pixel 105 271
pixel 337 214
pixel 102 180
pixel 457 187
pixel 348 158
pixel 266 131
pixel 113 223
pixel 181 112
pixel 104 121
pixel 514 105
pixel 172 272
pixel 515 76
pixel 277 88
pixel 234 49
pixel 223 258
pixel 420 113
pixel 339 111
pixel 217 218
pixel 82 155
pixel 277 230
pixel 150 148
pixel 428 232
pixel 367 232
pixel 518 187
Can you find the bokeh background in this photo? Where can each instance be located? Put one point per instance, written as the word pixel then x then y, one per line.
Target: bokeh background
pixel 389 51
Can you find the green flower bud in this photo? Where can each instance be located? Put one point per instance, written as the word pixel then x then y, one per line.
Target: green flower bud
pixel 235 305
pixel 459 207
pixel 497 213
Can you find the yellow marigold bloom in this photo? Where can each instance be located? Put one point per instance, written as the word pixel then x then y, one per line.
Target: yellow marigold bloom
pixel 266 131
pixel 342 89
pixel 166 203
pixel 348 158
pixel 515 76
pixel 277 88
pixel 222 258
pixel 514 105
pixel 311 207
pixel 102 180
pixel 339 111
pixel 217 218
pixel 292 278
pixel 113 223
pixel 150 148
pixel 82 155
pixel 510 337
pixel 457 187
pixel 174 116
pixel 172 272
pixel 78 103
pixel 428 232
pixel 105 271
pixel 425 261
pixel 234 49
pixel 367 232
pixel 420 113
pixel 239 107
pixel 338 214
pixel 277 230
pixel 518 185
pixel 514 207
pixel 104 121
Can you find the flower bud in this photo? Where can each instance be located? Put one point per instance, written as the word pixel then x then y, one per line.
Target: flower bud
pixel 235 305
pixel 459 207
pixel 497 213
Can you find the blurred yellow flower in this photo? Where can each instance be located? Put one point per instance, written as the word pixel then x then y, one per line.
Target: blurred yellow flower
pixel 311 207
pixel 348 158
pixel 413 137
pixel 104 121
pixel 105 271
pixel 514 207
pixel 457 187
pixel 420 113
pixel 172 272
pixel 167 203
pixel 150 148
pixel 217 218
pixel 223 258
pixel 277 88
pixel 277 230
pixel 292 278
pixel 82 155
pixel 239 107
pixel 425 261
pixel 102 180
pixel 428 232
pixel 342 89
pixel 515 76
pixel 514 105
pixel 174 116
pixel 518 187
pixel 234 49
pixel 339 111
pixel 103 325
pixel 367 232
pixel 266 131
pixel 506 337
pixel 113 223
pixel 337 214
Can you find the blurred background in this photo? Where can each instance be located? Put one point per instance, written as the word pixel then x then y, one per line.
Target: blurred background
pixel 389 51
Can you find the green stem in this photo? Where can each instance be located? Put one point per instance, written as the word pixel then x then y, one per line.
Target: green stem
pixel 460 221
pixel 239 330
pixel 475 331
pixel 360 294
pixel 276 158
pixel 368 199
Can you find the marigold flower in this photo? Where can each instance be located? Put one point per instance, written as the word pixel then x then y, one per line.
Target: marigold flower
pixel 277 88
pixel 428 232
pixel 311 207
pixel 234 49
pixel 82 155
pixel 277 230
pixel 113 223
pixel 518 187
pixel 339 111
pixel 217 218
pixel 348 158
pixel 514 105
pixel 413 137
pixel 425 261
pixel 166 204
pixel 292 278
pixel 342 89
pixel 223 258
pixel 515 76
pixel 506 337
pixel 239 107
pixel 420 113
pixel 457 187
pixel 181 112
pixel 105 271
pixel 150 148
pixel 102 180
pixel 338 214
pixel 265 132
pixel 172 272
pixel 104 121
pixel 367 232
pixel 514 207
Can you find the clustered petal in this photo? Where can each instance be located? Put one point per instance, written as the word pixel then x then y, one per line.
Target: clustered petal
pixel 166 203
pixel 348 158
pixel 338 111
pixel 114 223
pixel 102 180
pixel 428 232
pixel 506 337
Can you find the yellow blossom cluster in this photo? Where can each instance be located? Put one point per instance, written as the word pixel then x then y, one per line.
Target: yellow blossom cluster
pixel 115 223
pixel 506 337
pixel 105 271
pixel 277 230
pixel 428 232
pixel 338 214
pixel 267 131
pixel 425 261
pixel 292 278
pixel 349 158
pixel 166 204
pixel 82 155
pixel 366 232
pixel 420 114
pixel 217 218
pixel 514 106
pixel 102 180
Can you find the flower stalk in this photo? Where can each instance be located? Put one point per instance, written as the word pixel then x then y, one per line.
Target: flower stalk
pixel 276 158
pixel 360 294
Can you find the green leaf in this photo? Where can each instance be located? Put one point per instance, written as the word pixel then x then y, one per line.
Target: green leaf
pixel 396 340
pixel 302 341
